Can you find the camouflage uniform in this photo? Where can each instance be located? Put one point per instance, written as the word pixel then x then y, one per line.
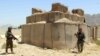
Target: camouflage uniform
pixel 80 42
pixel 9 40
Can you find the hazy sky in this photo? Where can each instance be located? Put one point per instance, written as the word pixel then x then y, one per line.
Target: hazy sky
pixel 15 11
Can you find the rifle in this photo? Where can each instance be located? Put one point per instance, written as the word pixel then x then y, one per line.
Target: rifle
pixel 14 37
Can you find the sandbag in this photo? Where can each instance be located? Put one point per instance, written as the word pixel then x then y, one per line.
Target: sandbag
pixel 59 7
pixel 74 17
pixel 28 19
pixel 38 17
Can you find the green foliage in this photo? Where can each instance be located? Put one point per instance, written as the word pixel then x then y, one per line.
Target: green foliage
pixel 97 42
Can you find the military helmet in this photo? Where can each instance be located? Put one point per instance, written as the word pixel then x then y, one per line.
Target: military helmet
pixel 9 27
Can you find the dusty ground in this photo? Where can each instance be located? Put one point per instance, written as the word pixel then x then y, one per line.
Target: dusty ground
pixel 29 50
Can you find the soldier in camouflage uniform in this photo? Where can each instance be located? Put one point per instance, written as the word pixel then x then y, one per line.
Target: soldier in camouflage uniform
pixel 80 42
pixel 9 40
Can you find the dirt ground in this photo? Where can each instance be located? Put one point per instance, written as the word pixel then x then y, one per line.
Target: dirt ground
pixel 90 49
pixel 30 50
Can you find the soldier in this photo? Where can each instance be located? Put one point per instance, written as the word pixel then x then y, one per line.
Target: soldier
pixel 9 40
pixel 80 42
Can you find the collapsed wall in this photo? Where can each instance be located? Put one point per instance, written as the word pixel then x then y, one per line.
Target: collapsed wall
pixel 54 29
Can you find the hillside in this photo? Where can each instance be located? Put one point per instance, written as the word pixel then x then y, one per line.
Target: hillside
pixel 92 19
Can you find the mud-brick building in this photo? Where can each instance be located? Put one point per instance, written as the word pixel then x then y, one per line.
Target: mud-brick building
pixel 54 29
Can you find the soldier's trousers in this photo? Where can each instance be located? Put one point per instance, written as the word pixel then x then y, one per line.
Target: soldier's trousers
pixel 9 44
pixel 80 45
